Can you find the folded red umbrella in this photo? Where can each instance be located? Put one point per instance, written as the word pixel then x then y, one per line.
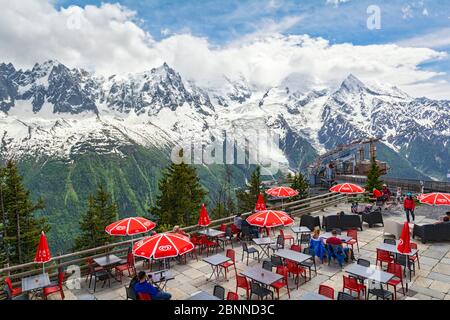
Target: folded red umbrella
pixel 435 199
pixel 203 219
pixel 130 226
pixel 163 245
pixel 347 188
pixel 282 192
pixel 270 218
pixel 404 243
pixel 260 205
pixel 43 251
pixel 377 193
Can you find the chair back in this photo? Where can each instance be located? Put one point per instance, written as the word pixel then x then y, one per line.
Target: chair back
pixel 345 296
pixel 390 241
pixel 363 262
pixel 396 269
pixel 222 227
pixel 232 296
pixel 228 232
pixel 280 242
pixel 305 237
pixel 352 233
pixel 130 292
pixel 8 282
pixel 130 260
pixel 231 254
pixel 61 275
pixel 296 247
pixel 267 265
pixel 276 260
pixel 143 296
pixel 282 232
pixel 241 282
pixel 383 255
pixel 219 292
pixel 283 271
pixel 413 245
pixel 350 283
pixel 326 291
pixel 244 246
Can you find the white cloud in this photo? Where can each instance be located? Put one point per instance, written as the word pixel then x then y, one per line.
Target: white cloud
pixel 437 39
pixel 106 39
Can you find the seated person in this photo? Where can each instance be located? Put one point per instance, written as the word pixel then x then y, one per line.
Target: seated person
pixel 341 213
pixel 442 218
pixel 144 286
pixel 176 229
pixel 334 240
pixel 252 229
pixel 315 243
pixel 238 223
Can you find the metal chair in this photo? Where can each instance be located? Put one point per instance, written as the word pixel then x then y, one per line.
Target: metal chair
pixel 251 250
pixel 267 265
pixel 345 296
pixel 390 241
pixel 260 291
pixel 278 245
pixel 310 262
pixel 363 262
pixel 219 292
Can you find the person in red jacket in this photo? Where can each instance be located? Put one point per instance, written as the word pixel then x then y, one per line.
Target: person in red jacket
pixel 409 205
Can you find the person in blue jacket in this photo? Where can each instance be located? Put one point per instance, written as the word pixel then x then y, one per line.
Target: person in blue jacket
pixel 144 286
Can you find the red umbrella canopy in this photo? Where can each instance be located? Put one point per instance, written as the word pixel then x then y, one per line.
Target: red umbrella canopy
pixel 270 218
pixel 130 226
pixel 203 219
pixel 347 188
pixel 43 252
pixel 377 193
pixel 435 199
pixel 260 205
pixel 282 192
pixel 164 245
pixel 404 244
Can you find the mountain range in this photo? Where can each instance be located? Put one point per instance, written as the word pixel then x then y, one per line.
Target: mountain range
pixel 70 129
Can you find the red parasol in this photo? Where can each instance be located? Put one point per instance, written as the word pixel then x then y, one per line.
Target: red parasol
pixel 203 219
pixel 161 246
pixel 43 251
pixel 130 226
pixel 282 192
pixel 348 188
pixel 435 199
pixel 260 205
pixel 270 218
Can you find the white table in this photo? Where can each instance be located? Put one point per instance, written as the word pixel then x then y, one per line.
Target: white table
pixel 215 261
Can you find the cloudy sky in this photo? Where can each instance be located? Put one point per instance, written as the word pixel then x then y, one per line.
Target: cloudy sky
pixel 311 43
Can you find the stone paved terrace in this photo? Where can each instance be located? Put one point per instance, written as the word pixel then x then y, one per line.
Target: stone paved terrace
pixel 431 281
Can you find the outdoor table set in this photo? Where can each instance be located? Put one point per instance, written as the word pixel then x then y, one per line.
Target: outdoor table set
pixel 264 244
pixel 300 230
pixel 160 278
pixel 34 284
pixel 215 261
pixel 371 274
pixel 108 262
pixel 212 233
pixel 262 276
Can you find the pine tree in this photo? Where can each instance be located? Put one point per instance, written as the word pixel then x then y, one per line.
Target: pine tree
pixel 247 197
pixel 181 196
pixel 21 226
pixel 3 254
pixel 373 177
pixel 299 183
pixel 101 212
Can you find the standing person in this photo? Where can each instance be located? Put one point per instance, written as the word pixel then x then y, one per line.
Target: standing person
pixel 398 195
pixel 238 223
pixel 144 286
pixel 409 205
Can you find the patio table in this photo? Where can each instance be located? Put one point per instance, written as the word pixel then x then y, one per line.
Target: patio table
pixel 213 233
pixel 202 295
pixel 108 262
pixel 35 283
pixel 215 261
pixel 393 248
pixel 263 276
pixel 299 230
pixel 160 278
pixel 264 244
pixel 292 255
pixel 370 273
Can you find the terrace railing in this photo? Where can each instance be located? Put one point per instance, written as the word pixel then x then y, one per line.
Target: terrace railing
pixel 78 259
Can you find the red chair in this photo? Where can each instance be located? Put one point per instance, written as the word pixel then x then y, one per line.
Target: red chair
pixel 14 291
pixel 90 262
pixel 296 270
pixel 234 229
pixel 287 237
pixel 197 242
pixel 326 291
pixel 55 288
pixel 352 285
pixel 282 270
pixel 242 282
pixel 383 256
pixel 232 296
pixel 143 296
pixel 415 257
pixel 397 271
pixel 354 234
pixel 208 244
pixel 119 270
pixel 232 255
pixel 296 247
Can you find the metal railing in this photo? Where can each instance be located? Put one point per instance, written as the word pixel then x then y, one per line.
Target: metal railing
pixel 17 272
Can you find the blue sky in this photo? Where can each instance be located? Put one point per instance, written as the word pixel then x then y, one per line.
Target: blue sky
pixel 223 21
pixel 261 40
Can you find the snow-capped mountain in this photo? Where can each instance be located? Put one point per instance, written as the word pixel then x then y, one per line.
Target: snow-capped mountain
pixel 54 111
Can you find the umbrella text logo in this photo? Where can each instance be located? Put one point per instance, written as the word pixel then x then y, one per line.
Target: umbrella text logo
pixel 165 248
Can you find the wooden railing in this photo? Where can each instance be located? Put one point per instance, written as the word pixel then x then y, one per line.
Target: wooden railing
pixel 17 272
